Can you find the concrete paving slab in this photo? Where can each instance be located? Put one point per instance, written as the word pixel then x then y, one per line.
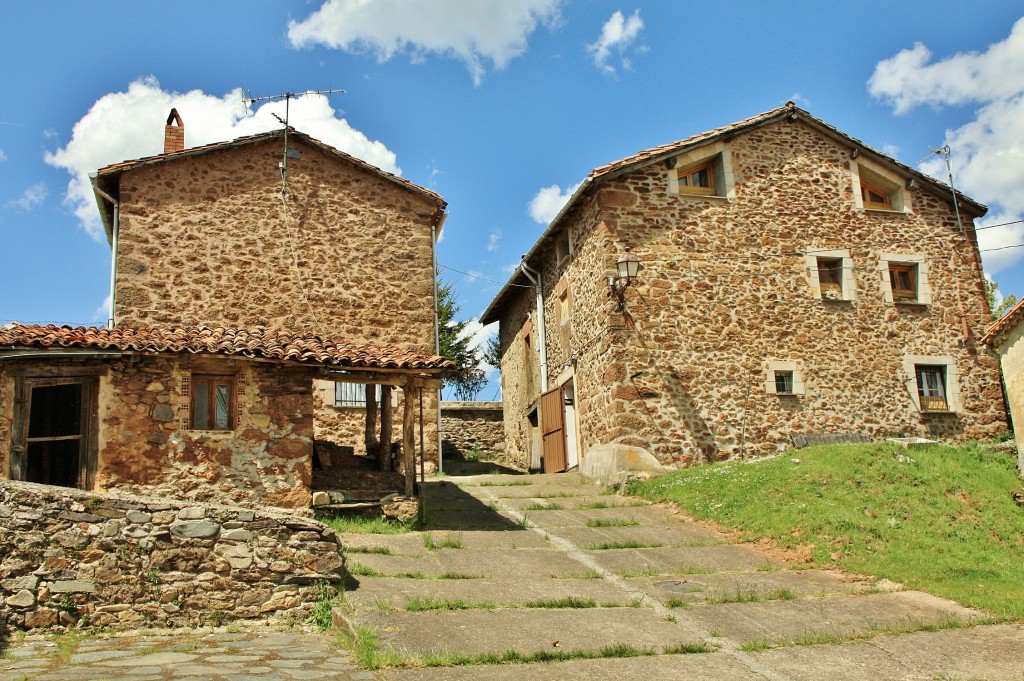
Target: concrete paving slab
pixel 673 560
pixel 374 593
pixel 665 535
pixel 697 666
pixel 492 540
pixel 493 631
pixel 800 620
pixel 487 563
pixel 574 502
pixel 993 653
pixel 698 589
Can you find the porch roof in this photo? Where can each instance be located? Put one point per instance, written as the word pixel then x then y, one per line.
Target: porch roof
pixel 308 349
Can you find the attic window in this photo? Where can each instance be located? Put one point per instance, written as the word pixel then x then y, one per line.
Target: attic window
pixel 879 189
pixel 697 180
pixel 874 197
pixel 563 249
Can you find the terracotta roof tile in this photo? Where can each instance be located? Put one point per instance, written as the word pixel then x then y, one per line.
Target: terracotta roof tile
pixel 240 342
pixel 1004 324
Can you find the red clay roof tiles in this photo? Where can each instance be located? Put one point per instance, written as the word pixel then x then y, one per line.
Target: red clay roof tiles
pixel 1004 324
pixel 239 342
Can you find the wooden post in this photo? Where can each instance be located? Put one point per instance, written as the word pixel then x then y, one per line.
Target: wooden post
pixel 371 419
pixel 409 436
pixel 384 449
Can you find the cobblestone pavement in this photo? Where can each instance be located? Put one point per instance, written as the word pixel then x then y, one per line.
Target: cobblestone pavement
pixel 249 654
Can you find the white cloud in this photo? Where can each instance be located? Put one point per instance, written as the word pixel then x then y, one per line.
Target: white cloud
pixel 492 241
pixel 126 125
pixel 3 156
pixel 102 313
pixel 617 34
pixel 30 198
pixel 479 335
pixel 544 206
pixel 483 33
pixel 988 151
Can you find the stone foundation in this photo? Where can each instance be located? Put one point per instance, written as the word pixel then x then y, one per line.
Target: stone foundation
pixel 70 557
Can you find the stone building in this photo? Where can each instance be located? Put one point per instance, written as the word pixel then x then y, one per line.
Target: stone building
pixel 793 283
pixel 249 279
pixel 1006 338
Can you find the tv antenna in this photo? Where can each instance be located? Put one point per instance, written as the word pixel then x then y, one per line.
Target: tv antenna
pixel 287 97
pixel 944 151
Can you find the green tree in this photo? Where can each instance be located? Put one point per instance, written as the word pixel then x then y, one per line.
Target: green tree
pixel 468 379
pixel 998 309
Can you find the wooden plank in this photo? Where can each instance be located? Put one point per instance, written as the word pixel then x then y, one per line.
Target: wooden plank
pixel 552 423
pixel 371 418
pixel 408 437
pixel 386 415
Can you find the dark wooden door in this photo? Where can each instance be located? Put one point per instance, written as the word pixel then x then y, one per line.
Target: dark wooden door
pixel 552 423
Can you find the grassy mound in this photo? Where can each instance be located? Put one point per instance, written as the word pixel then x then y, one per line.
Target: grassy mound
pixel 939 519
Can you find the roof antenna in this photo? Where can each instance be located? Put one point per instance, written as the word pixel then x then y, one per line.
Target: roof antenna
pixel 945 152
pixel 288 153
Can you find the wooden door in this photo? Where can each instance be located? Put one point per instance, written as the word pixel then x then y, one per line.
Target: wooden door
pixel 552 423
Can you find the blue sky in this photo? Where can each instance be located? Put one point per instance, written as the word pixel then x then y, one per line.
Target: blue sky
pixel 500 106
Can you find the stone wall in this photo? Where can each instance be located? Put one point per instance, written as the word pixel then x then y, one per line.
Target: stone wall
pixel 725 289
pixel 206 240
pixel 70 557
pixel 469 426
pixel 146 444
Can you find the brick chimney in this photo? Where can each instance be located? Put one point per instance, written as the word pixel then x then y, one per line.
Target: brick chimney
pixel 174 133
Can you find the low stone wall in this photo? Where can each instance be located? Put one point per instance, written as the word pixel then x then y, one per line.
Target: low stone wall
pixel 70 557
pixel 467 426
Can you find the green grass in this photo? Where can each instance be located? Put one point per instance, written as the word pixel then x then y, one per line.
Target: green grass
pixel 619 545
pixel 543 507
pixel 320 617
pixel 514 483
pixel 360 525
pixel 449 541
pixel 612 522
pixel 443 575
pixel 567 602
pixel 605 504
pixel 676 602
pixel 589 574
pixel 362 570
pixel 431 603
pixel 688 649
pixel 752 596
pixel 380 550
pixel 941 521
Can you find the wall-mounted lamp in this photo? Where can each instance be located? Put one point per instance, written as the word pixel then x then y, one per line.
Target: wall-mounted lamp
pixel 911 183
pixel 626 269
pixel 670 162
pixel 855 153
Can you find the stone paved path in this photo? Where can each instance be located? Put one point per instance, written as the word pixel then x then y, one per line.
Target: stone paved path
pixel 505 557
pixel 249 654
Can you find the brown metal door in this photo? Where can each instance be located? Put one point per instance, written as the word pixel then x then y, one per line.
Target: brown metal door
pixel 552 423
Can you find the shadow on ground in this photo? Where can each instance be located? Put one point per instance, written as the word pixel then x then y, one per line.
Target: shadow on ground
pixel 457 466
pixel 447 507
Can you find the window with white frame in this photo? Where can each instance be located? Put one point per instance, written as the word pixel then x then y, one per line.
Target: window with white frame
pixel 905 278
pixel 783 377
pixel 830 273
pixel 933 383
pixel 352 395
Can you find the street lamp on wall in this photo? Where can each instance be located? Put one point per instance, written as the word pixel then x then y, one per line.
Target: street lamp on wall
pixel 626 268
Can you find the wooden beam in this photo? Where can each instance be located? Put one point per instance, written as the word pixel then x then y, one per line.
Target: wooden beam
pixel 408 436
pixel 384 449
pixel 371 418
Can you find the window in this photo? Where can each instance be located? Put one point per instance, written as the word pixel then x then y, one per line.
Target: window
pixel 931 387
pixel 933 383
pixel 783 378
pixel 352 395
pixel 873 197
pixel 783 382
pixel 698 180
pixel 903 281
pixel 563 249
pixel 213 402
pixel 905 278
pixel 877 188
pixel 702 171
pixel 830 273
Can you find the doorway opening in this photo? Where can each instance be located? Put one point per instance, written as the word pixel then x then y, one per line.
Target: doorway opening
pixel 54 442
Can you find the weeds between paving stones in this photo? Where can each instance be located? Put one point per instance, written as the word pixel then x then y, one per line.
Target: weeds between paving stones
pixel 752 596
pixel 823 638
pixel 443 575
pixel 612 522
pixel 450 541
pixel 363 571
pixel 327 597
pixel 608 546
pixel 543 507
pixel 359 525
pixel 514 483
pixel 379 550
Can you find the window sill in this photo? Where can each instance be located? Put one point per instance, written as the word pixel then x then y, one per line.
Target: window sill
pixel 910 303
pixel 835 300
pixel 891 211
pixel 936 412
